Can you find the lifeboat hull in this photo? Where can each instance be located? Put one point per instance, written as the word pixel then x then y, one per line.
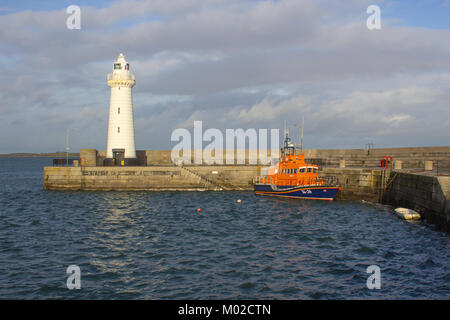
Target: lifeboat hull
pixel 299 192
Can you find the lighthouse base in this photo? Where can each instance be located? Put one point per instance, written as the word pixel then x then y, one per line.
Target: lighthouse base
pixel 121 162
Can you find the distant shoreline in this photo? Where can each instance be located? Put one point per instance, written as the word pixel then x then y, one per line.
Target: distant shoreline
pixel 39 155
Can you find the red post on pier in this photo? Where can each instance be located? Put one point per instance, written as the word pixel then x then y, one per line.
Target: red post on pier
pixel 387 160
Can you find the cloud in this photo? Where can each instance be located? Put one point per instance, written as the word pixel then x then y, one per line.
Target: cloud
pixel 358 117
pixel 230 63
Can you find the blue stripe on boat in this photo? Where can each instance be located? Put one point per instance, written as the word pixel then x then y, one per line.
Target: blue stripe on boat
pixel 302 192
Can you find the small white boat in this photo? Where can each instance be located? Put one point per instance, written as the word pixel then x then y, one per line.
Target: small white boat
pixel 407 214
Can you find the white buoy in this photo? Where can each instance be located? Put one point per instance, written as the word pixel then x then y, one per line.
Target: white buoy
pixel 407 214
pixel 120 126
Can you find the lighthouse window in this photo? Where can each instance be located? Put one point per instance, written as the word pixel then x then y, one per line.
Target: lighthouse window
pixel 118 129
pixel 127 67
pixel 116 66
pixel 118 110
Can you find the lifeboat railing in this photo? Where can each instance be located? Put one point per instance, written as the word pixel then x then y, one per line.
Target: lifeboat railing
pixel 319 181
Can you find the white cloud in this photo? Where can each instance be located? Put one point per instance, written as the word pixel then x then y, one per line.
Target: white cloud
pixel 397 119
pixel 231 63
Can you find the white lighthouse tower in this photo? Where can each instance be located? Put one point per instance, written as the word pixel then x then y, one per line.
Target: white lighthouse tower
pixel 120 148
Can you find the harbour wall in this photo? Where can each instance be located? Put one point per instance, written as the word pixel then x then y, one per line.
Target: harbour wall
pixel 410 158
pixel 154 178
pixel 428 195
pixel 357 183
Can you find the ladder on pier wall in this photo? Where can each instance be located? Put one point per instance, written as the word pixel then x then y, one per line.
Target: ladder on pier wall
pixel 386 179
pixel 217 186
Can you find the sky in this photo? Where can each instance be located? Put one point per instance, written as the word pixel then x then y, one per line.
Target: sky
pixel 231 64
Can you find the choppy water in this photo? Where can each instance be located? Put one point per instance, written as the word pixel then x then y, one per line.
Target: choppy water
pixel 155 245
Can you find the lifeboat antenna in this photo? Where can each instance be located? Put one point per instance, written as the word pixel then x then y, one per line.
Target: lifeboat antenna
pixel 300 133
pixel 286 132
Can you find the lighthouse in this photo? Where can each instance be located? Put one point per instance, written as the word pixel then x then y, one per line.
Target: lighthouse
pixel 120 150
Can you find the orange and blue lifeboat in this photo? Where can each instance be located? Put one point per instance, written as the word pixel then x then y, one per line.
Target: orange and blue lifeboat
pixel 292 177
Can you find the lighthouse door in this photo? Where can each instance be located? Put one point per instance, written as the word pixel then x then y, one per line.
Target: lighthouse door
pixel 118 156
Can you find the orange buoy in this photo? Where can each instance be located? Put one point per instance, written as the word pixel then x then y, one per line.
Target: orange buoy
pixel 199 210
pixel 239 201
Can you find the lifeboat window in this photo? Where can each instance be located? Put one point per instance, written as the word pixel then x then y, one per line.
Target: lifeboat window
pixel 302 170
pixel 295 171
pixel 309 170
pixel 315 170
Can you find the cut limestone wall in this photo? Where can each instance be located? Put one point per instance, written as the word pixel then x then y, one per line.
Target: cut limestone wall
pixel 357 183
pixel 409 157
pixel 88 157
pixel 150 178
pixel 425 194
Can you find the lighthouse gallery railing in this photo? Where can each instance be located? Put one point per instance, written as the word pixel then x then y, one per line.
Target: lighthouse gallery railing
pixel 113 76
